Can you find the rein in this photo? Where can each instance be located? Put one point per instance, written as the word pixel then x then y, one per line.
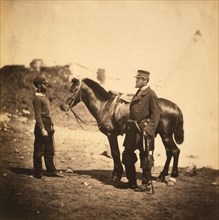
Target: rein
pixel 79 120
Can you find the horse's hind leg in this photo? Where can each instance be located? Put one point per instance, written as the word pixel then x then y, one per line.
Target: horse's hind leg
pixel 118 168
pixel 171 151
pixel 161 177
pixel 175 153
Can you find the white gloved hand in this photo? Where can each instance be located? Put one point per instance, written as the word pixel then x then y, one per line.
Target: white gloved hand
pixel 44 132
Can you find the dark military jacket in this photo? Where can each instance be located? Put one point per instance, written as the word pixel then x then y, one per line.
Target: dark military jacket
pixel 144 109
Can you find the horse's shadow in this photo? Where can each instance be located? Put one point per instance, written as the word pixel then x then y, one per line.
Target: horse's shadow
pixel 23 171
pixel 19 170
pixel 104 176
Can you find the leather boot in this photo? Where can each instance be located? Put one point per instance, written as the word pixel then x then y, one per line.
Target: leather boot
pixel 146 181
pixel 131 176
pixel 143 188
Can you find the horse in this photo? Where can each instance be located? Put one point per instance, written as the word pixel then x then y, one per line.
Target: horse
pixel 111 112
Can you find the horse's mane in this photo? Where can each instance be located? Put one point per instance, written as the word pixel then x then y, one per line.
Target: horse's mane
pixel 97 88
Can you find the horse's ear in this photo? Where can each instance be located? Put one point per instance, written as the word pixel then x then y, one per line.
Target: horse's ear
pixel 75 81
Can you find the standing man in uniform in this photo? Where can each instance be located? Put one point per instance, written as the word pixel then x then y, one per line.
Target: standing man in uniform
pixel 140 133
pixel 43 131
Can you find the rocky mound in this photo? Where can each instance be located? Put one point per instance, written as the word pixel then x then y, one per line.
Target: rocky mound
pixel 17 89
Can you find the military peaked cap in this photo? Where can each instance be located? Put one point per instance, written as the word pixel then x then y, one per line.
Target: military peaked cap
pixel 143 74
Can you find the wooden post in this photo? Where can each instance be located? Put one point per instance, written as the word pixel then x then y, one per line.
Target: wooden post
pixel 101 75
pixel 36 65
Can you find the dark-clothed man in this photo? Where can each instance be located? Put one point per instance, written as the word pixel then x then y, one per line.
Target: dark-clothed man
pixel 43 131
pixel 140 133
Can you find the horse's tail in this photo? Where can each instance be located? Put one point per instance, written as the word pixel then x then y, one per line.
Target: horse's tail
pixel 179 132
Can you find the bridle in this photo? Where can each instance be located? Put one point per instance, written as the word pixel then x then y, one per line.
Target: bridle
pixel 77 93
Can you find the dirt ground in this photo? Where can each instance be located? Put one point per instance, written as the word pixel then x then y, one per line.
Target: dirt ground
pixel 86 191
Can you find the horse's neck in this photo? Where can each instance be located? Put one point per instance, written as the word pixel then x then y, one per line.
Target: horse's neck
pixel 93 103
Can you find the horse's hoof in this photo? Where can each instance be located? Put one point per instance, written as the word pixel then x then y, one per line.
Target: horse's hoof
pixel 160 179
pixel 171 181
pixel 116 179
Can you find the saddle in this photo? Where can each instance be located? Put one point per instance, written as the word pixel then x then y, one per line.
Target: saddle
pixel 121 113
pixel 127 98
pixel 123 97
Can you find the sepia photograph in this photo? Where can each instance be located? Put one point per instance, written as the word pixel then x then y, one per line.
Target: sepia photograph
pixel 109 110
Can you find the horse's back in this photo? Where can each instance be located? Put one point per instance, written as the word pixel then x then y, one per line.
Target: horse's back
pixel 171 120
pixel 168 106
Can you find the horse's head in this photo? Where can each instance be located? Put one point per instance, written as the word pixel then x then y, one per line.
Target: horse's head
pixel 75 95
pixel 75 84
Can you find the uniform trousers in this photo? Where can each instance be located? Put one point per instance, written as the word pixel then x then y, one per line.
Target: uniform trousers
pixel 43 146
pixel 134 141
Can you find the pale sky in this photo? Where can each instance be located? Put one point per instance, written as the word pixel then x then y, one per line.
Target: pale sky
pixel 121 37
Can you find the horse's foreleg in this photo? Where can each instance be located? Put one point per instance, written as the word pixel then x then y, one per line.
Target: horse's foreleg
pixel 118 168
